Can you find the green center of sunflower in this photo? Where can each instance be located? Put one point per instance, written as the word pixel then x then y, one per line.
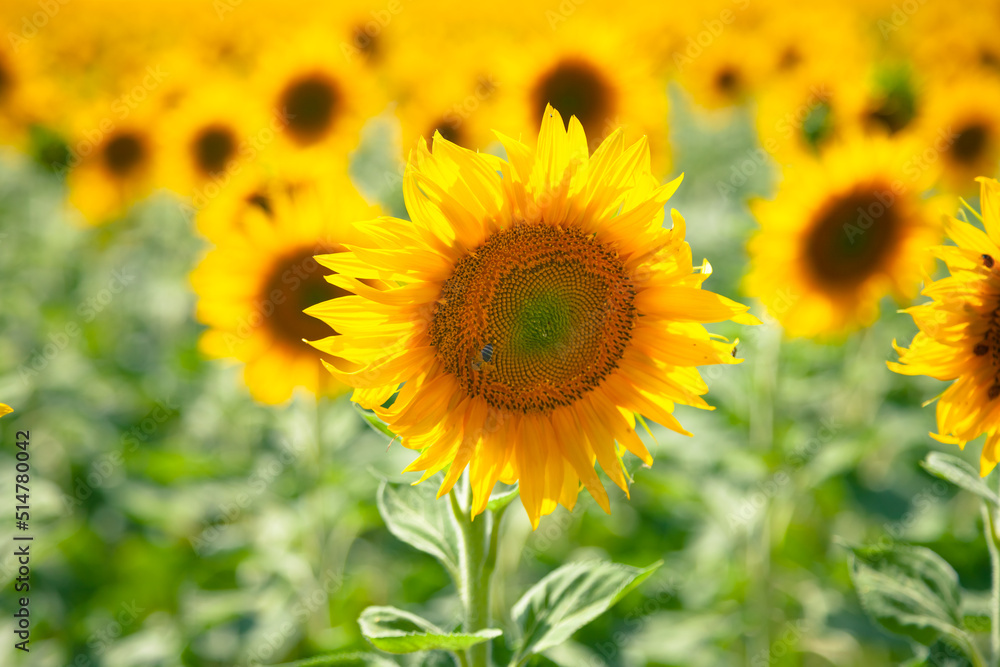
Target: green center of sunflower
pixel 970 143
pixel 574 87
pixel 213 148
pixel 124 153
pixel 852 236
pixel 310 104
pixel 534 318
pixel 297 281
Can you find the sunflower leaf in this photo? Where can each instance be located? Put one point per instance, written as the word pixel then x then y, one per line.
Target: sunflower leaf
pixel 569 598
pixel 910 591
pixel 416 516
pixel 396 631
pixel 501 500
pixel 958 472
pixel 372 420
pixel 347 658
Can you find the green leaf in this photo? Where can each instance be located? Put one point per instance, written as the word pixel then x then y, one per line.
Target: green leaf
pixel 976 610
pixel 372 420
pixel 910 591
pixel 415 515
pixel 569 598
pixel 501 500
pixel 958 472
pixel 948 653
pixel 352 658
pixel 396 631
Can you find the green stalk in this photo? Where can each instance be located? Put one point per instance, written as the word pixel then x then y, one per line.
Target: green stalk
pixel 475 578
pixel 989 527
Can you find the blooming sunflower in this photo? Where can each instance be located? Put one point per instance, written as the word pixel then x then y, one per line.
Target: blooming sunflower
pixel 842 232
pixel 531 309
pixel 207 139
pixel 253 287
pixel 959 337
pixel 113 159
pixel 319 97
pixel 961 123
pixel 588 70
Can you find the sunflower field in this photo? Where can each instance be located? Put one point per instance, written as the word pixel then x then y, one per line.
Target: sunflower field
pixel 392 332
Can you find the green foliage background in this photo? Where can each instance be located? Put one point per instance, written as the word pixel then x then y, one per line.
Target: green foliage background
pixel 176 522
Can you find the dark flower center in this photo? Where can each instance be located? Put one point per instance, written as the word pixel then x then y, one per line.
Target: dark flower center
pixel 576 88
pixel 311 104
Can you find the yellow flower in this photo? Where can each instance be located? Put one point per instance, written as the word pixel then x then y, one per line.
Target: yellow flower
pixel 959 338
pixel 319 99
pixel 208 140
pixel 113 159
pixel 586 69
pixel 5 409
pixel 531 308
pixel 724 73
pixel 961 124
pixel 253 287
pixel 843 231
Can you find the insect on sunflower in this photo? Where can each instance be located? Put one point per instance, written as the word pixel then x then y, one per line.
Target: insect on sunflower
pixel 528 312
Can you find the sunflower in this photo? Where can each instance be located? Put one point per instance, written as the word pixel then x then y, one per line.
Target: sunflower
pixel 843 231
pixel 961 123
pixel 800 114
pixel 531 310
pixel 113 159
pixel 959 337
pixel 26 95
pixel 320 98
pixel 723 74
pixel 454 103
pixel 253 287
pixel 891 101
pixel 588 70
pixel 207 140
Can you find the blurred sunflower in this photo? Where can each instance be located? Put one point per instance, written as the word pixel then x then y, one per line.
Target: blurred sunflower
pixel 113 159
pixel 725 73
pixel 207 139
pixel 453 104
pixel 959 337
pixel 842 232
pixel 250 190
pixel 318 99
pixel 26 94
pixel 530 309
pixel 588 70
pixel 799 115
pixel 890 104
pixel 253 287
pixel 961 123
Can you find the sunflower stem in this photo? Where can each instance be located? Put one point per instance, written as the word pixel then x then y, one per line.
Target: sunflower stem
pixel 476 566
pixel 989 527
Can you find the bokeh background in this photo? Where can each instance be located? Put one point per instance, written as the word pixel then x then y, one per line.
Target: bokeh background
pixel 179 520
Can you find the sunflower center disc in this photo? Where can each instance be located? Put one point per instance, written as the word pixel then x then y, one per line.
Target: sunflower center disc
pixel 311 104
pixel 297 281
pixel 535 318
pixel 969 144
pixel 123 154
pixel 852 236
pixel 214 147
